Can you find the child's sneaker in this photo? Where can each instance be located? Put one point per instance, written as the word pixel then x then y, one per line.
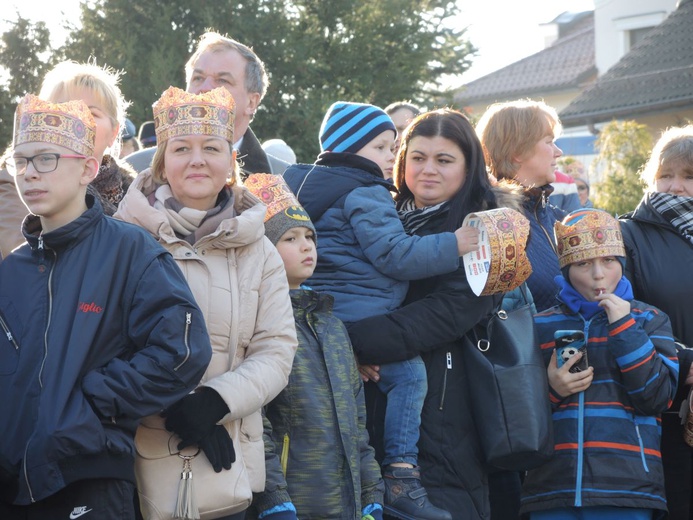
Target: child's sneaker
pixel 406 498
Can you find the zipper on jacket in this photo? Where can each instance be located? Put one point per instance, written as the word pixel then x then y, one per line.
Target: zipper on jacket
pixel 536 216
pixel 284 459
pixel 50 313
pixel 448 367
pixel 8 333
pixel 26 473
pixel 188 321
pixel 580 450
pixel 642 448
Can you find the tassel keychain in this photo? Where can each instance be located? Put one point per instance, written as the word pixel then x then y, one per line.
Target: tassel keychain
pixel 186 507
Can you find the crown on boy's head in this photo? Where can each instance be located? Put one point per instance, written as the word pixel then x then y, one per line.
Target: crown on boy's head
pixel 588 233
pixel 348 127
pixel 178 112
pixel 69 124
pixel 283 209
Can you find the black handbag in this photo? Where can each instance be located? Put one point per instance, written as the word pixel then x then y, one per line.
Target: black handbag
pixel 509 391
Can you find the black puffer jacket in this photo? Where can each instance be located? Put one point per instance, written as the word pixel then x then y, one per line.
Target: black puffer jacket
pixel 659 263
pixel 436 322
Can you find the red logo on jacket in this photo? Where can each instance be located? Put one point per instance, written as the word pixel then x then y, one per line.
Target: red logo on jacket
pixel 89 307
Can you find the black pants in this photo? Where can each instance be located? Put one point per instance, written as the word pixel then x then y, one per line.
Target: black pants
pixel 676 459
pixel 94 499
pixel 504 492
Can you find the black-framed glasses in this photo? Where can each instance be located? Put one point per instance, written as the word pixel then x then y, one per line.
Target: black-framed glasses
pixel 43 162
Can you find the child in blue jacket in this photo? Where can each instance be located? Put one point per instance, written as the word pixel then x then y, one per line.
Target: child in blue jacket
pixel 607 463
pixel 365 261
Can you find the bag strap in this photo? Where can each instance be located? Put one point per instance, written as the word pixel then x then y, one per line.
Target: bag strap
pixel 523 291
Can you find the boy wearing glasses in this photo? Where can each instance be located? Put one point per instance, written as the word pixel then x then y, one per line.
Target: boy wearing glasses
pixel 99 329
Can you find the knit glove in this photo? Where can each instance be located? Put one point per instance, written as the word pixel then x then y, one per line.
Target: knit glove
pixel 195 416
pixel 372 512
pixel 285 511
pixel 281 515
pixel 218 446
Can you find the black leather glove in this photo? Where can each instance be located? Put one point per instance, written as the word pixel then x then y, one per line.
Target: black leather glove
pixel 218 446
pixel 195 416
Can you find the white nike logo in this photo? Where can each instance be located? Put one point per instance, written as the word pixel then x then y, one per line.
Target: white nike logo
pixel 79 511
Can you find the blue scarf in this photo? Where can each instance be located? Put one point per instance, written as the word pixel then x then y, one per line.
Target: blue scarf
pixel 576 302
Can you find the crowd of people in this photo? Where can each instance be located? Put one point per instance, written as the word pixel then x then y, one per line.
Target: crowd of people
pixel 218 332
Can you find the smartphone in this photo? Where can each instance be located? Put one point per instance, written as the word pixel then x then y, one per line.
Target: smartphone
pixel 569 343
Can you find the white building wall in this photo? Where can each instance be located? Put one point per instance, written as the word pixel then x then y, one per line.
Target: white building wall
pixel 614 18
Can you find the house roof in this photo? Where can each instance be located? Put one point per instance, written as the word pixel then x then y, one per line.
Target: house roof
pixel 655 75
pixel 568 63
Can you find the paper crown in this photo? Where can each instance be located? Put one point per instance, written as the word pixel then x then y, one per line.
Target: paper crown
pixel 69 124
pixel 500 264
pixel 283 209
pixel 586 234
pixel 178 112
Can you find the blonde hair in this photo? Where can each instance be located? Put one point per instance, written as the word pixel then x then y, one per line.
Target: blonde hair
pixel 511 130
pixel 675 145
pixel 68 76
pixel 159 170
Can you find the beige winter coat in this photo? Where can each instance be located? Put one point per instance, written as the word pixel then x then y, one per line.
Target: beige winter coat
pixel 239 282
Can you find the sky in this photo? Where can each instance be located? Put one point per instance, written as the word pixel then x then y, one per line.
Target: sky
pixel 503 31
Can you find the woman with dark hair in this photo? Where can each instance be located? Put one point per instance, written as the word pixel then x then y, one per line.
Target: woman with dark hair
pixel 441 176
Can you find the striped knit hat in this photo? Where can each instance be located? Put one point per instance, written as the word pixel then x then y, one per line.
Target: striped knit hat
pixel 348 127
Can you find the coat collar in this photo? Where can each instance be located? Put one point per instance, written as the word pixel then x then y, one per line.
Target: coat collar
pixel 66 235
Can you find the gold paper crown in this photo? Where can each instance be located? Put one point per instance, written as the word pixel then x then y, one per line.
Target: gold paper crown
pixel 69 124
pixel 588 233
pixel 504 259
pixel 178 112
pixel 273 191
pixel 283 209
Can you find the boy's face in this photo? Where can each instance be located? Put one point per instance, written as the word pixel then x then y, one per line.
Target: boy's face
pixel 595 276
pixel 297 249
pixel 381 151
pixel 56 196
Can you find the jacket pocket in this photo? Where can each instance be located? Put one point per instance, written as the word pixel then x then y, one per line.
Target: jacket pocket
pixel 9 342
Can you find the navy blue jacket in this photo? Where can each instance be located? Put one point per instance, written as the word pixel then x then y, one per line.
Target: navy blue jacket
pixel 607 438
pixel 365 257
pixel 541 250
pixel 100 329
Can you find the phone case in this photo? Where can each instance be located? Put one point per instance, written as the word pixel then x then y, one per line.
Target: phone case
pixel 569 343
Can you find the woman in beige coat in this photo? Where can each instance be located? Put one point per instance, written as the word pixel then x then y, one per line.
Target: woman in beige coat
pixel 190 201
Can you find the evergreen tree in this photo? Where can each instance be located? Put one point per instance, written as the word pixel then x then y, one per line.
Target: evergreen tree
pixel 316 52
pixel 624 147
pixel 26 55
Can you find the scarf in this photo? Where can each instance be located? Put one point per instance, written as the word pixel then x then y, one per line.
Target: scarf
pixel 414 218
pixel 111 183
pixel 678 211
pixel 576 302
pixel 192 224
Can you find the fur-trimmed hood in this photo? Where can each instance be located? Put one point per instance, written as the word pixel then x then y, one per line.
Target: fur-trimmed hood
pixel 509 195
